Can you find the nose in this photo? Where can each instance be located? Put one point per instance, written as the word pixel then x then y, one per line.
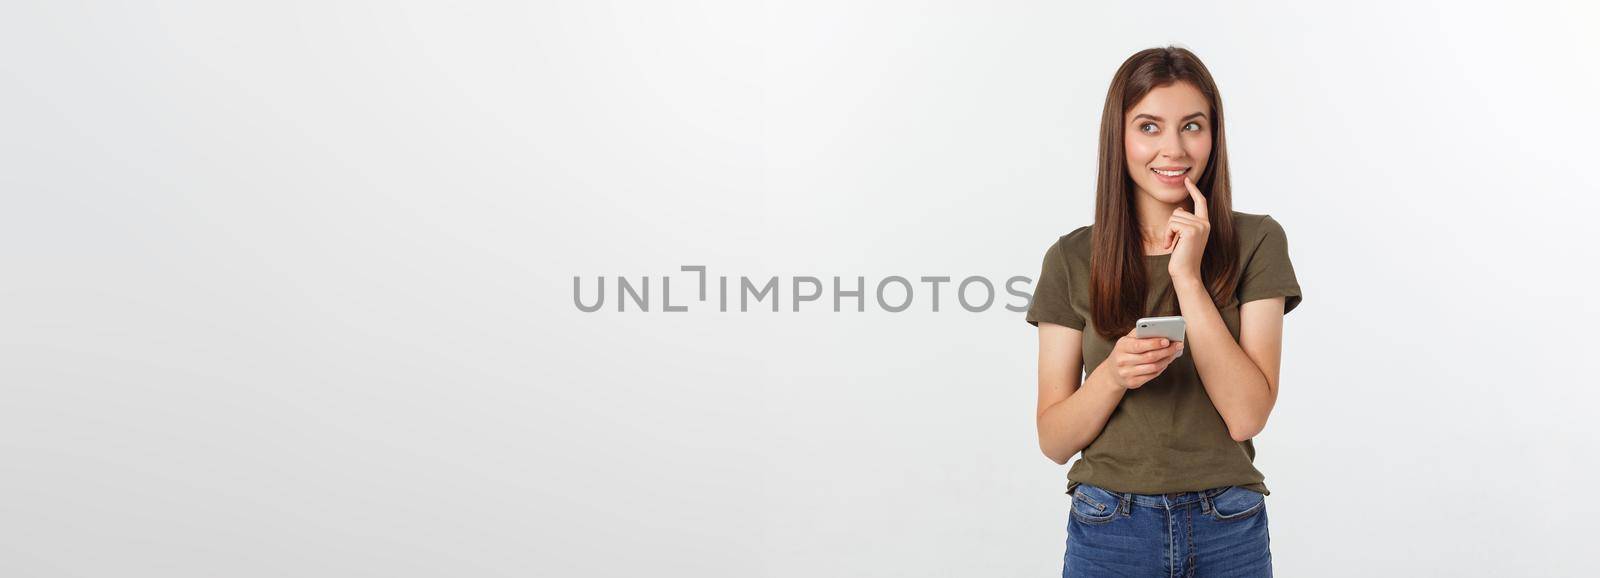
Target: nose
pixel 1172 146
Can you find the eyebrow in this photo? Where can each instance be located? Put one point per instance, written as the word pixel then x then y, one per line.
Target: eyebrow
pixel 1159 119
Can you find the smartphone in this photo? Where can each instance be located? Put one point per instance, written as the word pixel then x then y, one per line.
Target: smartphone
pixel 1169 327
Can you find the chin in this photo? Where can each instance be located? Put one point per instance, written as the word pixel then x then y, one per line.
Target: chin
pixel 1167 193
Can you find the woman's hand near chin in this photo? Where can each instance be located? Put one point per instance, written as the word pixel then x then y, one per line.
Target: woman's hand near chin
pixel 1189 231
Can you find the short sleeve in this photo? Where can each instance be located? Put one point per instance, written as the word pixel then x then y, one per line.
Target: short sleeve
pixel 1269 273
pixel 1052 297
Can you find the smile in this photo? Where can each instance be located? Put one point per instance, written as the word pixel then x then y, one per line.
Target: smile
pixel 1170 173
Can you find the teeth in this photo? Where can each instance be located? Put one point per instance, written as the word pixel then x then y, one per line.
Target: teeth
pixel 1170 173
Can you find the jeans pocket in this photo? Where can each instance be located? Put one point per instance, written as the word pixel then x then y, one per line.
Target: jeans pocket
pixel 1092 505
pixel 1236 503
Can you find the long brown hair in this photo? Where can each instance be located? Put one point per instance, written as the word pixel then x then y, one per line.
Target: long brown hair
pixel 1118 287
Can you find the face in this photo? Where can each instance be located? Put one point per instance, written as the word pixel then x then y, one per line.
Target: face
pixel 1170 132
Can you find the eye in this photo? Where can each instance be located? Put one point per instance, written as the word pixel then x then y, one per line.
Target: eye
pixel 1147 128
pixel 1196 126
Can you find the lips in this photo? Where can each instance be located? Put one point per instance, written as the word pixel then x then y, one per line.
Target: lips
pixel 1169 171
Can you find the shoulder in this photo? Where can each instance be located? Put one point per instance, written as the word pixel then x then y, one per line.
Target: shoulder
pixel 1074 244
pixel 1252 228
pixel 1069 249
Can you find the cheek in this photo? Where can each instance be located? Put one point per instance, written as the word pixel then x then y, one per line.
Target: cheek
pixel 1138 153
pixel 1200 150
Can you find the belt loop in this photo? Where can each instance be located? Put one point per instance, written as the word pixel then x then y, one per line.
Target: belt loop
pixel 1127 502
pixel 1205 501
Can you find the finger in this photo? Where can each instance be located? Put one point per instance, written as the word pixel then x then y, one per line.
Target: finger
pixel 1142 358
pixel 1159 355
pixel 1199 199
pixel 1146 369
pixel 1141 345
pixel 1160 365
pixel 1182 216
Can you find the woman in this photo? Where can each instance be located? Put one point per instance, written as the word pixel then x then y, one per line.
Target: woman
pixel 1166 484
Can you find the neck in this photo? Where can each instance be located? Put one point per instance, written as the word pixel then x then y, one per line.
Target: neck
pixel 1154 214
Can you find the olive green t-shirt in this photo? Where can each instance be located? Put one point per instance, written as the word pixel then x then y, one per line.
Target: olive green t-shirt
pixel 1165 436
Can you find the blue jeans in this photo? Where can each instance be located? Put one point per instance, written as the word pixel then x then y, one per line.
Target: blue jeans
pixel 1215 532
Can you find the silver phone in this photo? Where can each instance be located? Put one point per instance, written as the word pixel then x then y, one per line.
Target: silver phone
pixel 1170 327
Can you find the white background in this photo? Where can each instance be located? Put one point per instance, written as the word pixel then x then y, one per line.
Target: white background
pixel 287 287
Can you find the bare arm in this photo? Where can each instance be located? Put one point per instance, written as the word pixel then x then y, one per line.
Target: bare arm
pixel 1240 377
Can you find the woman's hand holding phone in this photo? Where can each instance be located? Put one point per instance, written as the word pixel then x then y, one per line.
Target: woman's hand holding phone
pixel 1139 360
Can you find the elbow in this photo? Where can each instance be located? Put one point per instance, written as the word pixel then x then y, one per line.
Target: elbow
pixel 1244 432
pixel 1057 455
pixel 1059 460
pixel 1054 456
pixel 1248 425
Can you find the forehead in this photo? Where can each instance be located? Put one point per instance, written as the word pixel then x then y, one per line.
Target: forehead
pixel 1172 101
